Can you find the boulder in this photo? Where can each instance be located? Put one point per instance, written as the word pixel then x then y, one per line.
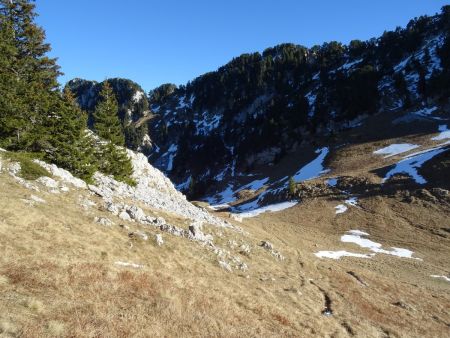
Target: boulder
pixel 136 213
pixel 125 216
pixel 111 207
pixel 266 245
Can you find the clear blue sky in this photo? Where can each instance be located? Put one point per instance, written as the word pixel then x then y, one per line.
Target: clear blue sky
pixel 155 42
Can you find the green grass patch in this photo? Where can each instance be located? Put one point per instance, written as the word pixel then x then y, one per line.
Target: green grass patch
pixel 28 169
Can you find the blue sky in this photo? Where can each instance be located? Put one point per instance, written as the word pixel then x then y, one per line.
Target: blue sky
pixel 156 42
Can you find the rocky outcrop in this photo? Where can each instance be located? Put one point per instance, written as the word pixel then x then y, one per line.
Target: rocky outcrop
pixel 152 189
pixel 269 247
pixel 64 175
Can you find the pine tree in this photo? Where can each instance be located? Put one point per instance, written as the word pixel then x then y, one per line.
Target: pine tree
pixel 31 74
pixel 68 143
pixel 106 121
pixel 10 103
pixel 114 161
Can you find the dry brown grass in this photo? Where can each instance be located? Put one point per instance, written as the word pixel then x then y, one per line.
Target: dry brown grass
pixel 58 277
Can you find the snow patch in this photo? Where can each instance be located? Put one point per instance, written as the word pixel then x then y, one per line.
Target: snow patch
pixel 206 124
pixel 255 185
pixel 443 277
pixel 339 254
pixel 444 133
pixel 410 164
pixel 395 149
pixel 341 208
pixel 272 208
pixel 357 237
pixel 171 153
pixel 138 96
pixel 314 168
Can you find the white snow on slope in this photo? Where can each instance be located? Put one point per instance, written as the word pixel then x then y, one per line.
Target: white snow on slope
pixel 395 149
pixel 341 208
pixel 444 133
pixel 339 254
pixel 207 123
pixel 425 112
pixel 410 164
pixel 255 185
pixel 357 237
pixel 272 208
pixel 219 206
pixel 349 64
pixel 138 96
pixel 314 168
pixel 443 277
pixel 434 63
pixel 225 196
pixel 184 185
pixel 311 170
pixel 353 201
pixel 171 153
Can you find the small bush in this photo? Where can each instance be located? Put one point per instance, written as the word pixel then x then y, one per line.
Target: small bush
pixel 28 169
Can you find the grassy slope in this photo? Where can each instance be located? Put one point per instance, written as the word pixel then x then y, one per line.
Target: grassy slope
pixel 58 277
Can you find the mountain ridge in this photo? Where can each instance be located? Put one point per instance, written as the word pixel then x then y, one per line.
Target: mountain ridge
pixel 260 108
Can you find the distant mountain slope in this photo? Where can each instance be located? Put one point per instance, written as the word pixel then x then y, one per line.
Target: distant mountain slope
pixel 133 106
pixel 260 112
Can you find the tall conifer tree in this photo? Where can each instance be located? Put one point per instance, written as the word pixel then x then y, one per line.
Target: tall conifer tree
pixel 106 121
pixel 32 73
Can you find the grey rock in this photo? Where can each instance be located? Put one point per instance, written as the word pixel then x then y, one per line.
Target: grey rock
pixel 173 229
pixel 111 207
pixel 245 249
pixel 137 213
pixel 125 216
pixel 103 221
pixel 138 234
pixel 266 245
pixel 243 267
